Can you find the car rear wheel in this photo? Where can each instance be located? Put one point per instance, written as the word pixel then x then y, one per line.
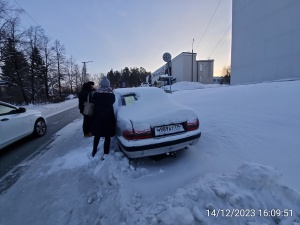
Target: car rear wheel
pixel 40 128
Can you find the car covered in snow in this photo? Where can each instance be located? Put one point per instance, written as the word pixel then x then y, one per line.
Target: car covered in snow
pixel 71 96
pixel 17 122
pixel 149 123
pixel 145 84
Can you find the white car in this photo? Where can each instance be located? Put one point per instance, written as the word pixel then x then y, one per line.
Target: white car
pixel 17 122
pixel 149 123
pixel 145 84
pixel 71 96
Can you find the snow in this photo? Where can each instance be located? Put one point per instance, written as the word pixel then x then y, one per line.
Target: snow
pixel 52 109
pixel 246 162
pixel 185 85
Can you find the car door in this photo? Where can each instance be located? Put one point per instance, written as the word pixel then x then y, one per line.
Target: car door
pixel 13 124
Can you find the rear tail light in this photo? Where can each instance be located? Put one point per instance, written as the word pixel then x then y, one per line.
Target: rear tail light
pixel 137 135
pixel 129 135
pixel 192 125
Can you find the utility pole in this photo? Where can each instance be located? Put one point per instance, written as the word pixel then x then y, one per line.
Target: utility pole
pixel 192 61
pixel 84 71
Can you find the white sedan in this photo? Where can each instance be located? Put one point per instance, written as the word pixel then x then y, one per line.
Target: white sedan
pixel 144 84
pixel 149 123
pixel 17 122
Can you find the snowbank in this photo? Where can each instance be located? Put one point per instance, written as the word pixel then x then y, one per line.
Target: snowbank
pixel 244 170
pixel 52 109
pixel 185 85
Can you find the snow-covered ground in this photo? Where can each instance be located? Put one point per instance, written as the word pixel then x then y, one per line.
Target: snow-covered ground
pixel 52 109
pixel 244 170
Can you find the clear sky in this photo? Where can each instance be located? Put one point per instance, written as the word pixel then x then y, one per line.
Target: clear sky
pixel 134 33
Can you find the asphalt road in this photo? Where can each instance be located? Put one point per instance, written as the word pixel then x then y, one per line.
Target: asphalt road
pixel 13 156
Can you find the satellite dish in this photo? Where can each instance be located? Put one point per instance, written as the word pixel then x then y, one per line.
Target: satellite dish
pixel 167 57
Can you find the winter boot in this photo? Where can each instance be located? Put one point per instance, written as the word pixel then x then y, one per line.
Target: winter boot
pixel 94 152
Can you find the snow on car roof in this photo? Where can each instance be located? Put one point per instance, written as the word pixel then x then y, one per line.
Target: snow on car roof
pixel 148 98
pixel 153 105
pixel 148 93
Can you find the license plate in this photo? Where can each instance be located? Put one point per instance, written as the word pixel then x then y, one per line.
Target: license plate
pixel 169 129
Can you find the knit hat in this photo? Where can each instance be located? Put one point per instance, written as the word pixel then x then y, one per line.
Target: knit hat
pixel 91 83
pixel 104 83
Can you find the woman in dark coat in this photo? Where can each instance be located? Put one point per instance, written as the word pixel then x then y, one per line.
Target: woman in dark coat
pixel 82 97
pixel 104 122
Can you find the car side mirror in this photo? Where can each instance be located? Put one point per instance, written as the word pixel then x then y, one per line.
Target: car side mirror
pixel 21 110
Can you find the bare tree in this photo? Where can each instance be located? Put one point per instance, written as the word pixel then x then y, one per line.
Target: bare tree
pixel 7 15
pixel 226 70
pixel 34 36
pixel 47 55
pixel 71 73
pixel 3 22
pixel 77 74
pixel 30 63
pixel 226 75
pixel 59 59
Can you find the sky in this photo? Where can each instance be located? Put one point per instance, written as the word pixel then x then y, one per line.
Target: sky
pixel 134 33
pixel 245 167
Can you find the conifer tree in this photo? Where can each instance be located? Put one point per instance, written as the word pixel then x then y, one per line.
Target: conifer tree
pixel 15 72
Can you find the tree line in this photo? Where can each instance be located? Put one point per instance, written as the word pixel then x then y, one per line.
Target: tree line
pixel 36 69
pixel 226 75
pixel 132 77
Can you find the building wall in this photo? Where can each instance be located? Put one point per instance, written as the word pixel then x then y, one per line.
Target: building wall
pixel 205 71
pixel 178 69
pixel 182 69
pixel 155 75
pixel 265 40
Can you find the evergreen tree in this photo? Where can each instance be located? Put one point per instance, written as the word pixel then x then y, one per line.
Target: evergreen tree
pixel 111 78
pixel 125 75
pixel 134 77
pixel 118 78
pixel 36 75
pixel 15 70
pixel 144 74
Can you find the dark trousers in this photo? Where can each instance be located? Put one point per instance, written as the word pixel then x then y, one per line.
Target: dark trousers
pixel 87 124
pixel 106 144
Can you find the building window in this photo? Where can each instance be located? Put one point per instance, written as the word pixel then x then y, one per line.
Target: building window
pixel 201 67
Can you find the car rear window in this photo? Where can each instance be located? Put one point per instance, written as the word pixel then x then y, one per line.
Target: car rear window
pixel 128 99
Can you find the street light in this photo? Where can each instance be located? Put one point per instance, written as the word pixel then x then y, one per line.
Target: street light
pixel 84 70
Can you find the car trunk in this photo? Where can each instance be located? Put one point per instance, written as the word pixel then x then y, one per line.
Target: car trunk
pixel 168 123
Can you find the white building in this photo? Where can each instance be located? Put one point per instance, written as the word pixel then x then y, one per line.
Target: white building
pixel 265 40
pixel 205 71
pixel 181 69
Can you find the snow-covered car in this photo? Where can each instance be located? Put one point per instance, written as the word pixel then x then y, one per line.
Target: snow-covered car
pixel 145 84
pixel 17 122
pixel 149 123
pixel 71 96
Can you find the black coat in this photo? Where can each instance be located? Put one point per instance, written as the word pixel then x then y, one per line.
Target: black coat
pixel 82 96
pixel 104 122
